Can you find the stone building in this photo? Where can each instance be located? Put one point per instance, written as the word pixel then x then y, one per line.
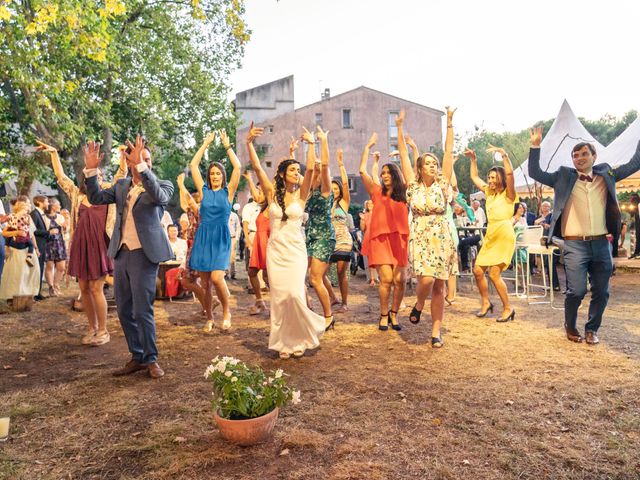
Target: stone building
pixel 351 117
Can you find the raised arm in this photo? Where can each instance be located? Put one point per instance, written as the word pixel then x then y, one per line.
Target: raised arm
pixel 186 200
pixel 160 192
pixel 416 153
pixel 307 137
pixel 508 171
pixel 65 182
pixel 232 184
pixel 478 182
pixel 447 158
pixel 325 175
pixel 256 194
pixel 375 168
pixel 293 146
pixel 194 165
pixel 535 172
pixel 454 179
pixel 344 179
pixel 405 162
pixel 267 186
pixel 366 179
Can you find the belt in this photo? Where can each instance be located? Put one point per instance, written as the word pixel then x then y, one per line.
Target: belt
pixel 585 238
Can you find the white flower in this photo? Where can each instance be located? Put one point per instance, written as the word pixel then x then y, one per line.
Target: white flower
pixel 264 383
pixel 228 373
pixel 270 380
pixel 234 379
pixel 221 366
pixel 258 397
pixel 296 397
pixel 279 373
pixel 210 369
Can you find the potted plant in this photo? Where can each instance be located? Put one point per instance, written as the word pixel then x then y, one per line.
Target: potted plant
pixel 246 400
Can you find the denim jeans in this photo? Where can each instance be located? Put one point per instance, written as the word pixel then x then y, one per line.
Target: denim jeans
pixel 587 260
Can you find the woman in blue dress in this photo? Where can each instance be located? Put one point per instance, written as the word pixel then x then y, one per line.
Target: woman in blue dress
pixel 212 243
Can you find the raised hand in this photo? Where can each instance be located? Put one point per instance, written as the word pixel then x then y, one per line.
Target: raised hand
pixel 253 133
pixel 92 155
pixel 394 153
pixel 180 180
pixel 293 145
pixel 450 114
pixel 224 138
pixel 400 118
pixel 409 141
pixel 376 156
pixel 321 134
pixel 372 141
pixel 494 149
pixel 43 147
pixel 471 154
pixel 210 138
pixel 535 136
pixel 307 136
pixel 339 157
pixel 134 157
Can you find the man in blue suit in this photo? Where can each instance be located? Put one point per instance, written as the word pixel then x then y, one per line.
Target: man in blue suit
pixel 585 211
pixel 138 245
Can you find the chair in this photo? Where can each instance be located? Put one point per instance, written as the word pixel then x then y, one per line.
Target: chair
pixel 530 242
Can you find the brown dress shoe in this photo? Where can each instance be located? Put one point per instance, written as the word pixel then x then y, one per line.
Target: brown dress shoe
pixel 155 371
pixel 132 366
pixel 591 338
pixel 573 334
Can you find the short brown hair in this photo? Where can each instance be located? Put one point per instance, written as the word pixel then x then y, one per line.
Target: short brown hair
pixel 581 145
pixel 39 199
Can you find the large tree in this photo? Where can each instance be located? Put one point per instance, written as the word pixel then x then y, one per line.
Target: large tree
pixel 71 70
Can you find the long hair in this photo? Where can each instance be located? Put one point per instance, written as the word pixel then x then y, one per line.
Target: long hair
pixel 421 160
pixel 398 187
pixel 500 173
pixel 281 187
pixel 220 167
pixel 336 200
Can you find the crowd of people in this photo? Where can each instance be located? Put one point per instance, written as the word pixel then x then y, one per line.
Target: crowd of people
pixel 297 224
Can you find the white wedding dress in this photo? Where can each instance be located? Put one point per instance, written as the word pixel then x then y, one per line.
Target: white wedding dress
pixel 294 327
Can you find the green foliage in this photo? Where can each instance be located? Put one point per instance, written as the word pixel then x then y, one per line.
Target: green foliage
pixel 72 71
pixel 241 392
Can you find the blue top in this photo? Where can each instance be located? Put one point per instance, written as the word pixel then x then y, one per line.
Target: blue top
pixel 212 243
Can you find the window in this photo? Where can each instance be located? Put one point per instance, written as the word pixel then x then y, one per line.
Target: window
pixel 346 118
pixel 270 129
pixel 393 130
pixel 319 119
pixel 268 163
pixel 352 184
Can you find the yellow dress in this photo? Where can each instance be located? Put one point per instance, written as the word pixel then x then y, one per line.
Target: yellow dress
pixel 500 240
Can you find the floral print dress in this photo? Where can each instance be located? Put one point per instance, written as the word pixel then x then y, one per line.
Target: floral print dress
pixel 321 237
pixel 431 247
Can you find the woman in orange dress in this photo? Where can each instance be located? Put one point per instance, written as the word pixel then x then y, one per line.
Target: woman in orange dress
pixel 388 235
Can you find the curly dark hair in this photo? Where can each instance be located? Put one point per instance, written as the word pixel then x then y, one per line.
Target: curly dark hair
pixel 220 167
pixel 280 185
pixel 398 187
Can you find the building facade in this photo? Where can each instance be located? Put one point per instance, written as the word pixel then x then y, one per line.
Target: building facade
pixel 350 117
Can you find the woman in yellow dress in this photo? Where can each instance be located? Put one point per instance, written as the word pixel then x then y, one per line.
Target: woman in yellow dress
pixel 500 240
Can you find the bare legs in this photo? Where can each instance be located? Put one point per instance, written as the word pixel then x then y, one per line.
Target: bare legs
pixel 390 276
pixel 317 270
pixel 95 307
pixel 483 286
pixel 255 284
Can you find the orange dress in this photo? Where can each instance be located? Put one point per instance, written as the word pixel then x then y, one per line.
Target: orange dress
pixel 259 250
pixel 389 231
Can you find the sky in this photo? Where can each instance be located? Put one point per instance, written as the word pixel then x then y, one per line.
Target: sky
pixel 503 64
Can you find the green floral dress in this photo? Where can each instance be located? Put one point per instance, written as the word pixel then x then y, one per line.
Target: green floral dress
pixel 431 247
pixel 321 237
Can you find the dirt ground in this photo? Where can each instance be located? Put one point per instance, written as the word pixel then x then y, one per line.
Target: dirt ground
pixel 512 401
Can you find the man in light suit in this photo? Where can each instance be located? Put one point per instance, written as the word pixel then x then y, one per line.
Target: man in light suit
pixel 585 211
pixel 138 245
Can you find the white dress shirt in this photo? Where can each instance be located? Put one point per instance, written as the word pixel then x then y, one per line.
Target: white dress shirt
pixel 584 214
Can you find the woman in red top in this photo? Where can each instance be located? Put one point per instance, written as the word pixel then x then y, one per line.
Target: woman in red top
pixel 388 235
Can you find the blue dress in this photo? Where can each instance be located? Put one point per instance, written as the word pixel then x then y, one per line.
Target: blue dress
pixel 212 244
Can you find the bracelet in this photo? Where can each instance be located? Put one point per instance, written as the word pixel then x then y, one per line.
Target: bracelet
pixel 449 126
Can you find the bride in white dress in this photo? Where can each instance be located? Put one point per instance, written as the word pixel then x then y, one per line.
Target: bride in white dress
pixel 294 327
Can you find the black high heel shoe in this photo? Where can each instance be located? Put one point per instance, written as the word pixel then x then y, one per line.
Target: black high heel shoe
pixel 332 324
pixel 511 317
pixel 415 314
pixel 484 314
pixel 382 327
pixel 395 326
pixel 449 302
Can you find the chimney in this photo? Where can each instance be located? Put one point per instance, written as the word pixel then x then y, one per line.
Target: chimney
pixel 326 95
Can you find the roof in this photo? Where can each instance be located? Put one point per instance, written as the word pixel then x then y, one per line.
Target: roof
pixel 375 91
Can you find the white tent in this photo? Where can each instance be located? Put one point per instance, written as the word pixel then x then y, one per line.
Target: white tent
pixel 555 150
pixel 620 151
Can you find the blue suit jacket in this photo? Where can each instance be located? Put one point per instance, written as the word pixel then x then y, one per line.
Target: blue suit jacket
pixel 147 212
pixel 563 180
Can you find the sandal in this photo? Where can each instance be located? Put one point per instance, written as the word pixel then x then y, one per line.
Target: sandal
pixel 328 326
pixel 298 353
pixel 284 355
pixel 414 316
pixel 436 342
pixel 257 309
pixel 449 302
pixel 208 327
pixel 382 327
pixel 395 326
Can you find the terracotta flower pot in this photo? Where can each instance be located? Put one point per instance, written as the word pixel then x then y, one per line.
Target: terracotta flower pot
pixel 247 432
